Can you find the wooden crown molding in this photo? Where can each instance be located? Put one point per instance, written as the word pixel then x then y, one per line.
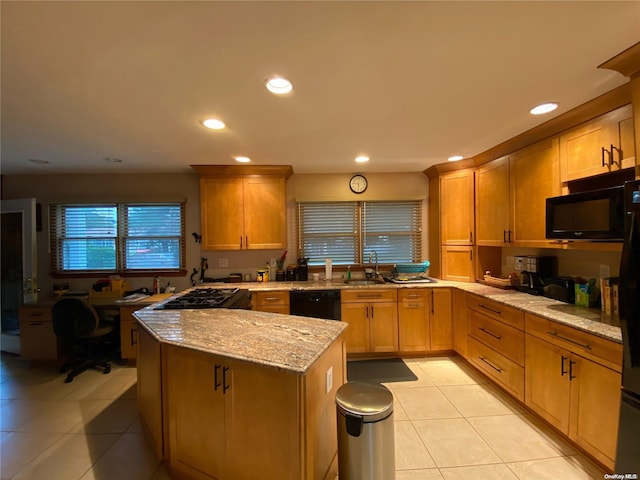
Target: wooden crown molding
pixel 627 63
pixel 242 170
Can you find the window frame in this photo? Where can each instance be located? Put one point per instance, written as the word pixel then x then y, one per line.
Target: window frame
pixel 56 224
pixel 361 249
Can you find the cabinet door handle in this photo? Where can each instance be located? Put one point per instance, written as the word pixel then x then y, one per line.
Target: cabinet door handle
pixel 470 237
pixel 571 364
pixel 225 385
pixel 216 382
pixel 567 339
pixel 497 369
pixel 613 160
pixel 562 370
pixel 246 241
pixel 35 324
pixel 471 255
pixel 482 329
pixel 481 305
pixel 372 307
pixel 433 311
pixel 133 335
pixel 605 164
pixel 504 236
pixel 240 243
pixel 509 236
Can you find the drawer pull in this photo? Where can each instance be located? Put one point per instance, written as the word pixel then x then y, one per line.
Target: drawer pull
pixel 557 335
pixel 481 305
pixel 369 295
pixel 497 369
pixel 414 305
pixel 413 295
pixel 36 314
pixel 272 299
pixel 482 329
pixel 35 324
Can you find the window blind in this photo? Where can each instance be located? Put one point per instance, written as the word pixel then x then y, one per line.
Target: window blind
pixel 347 232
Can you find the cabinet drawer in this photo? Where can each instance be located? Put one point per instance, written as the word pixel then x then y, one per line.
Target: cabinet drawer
pixel 369 295
pixel 505 372
pixel 412 294
pixel 590 346
pixel 507 340
pixel 38 314
pixel 272 298
pixel 499 311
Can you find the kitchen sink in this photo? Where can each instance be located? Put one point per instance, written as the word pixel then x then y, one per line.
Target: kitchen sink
pixel 363 282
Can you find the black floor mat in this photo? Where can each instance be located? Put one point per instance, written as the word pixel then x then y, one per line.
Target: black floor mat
pixel 379 371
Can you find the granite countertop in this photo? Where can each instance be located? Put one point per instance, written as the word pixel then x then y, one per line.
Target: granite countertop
pixel 286 342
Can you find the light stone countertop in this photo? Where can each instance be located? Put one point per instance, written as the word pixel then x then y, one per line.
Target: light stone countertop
pixel 286 342
pixel 590 320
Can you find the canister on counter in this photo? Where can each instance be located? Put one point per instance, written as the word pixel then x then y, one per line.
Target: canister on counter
pixel 262 276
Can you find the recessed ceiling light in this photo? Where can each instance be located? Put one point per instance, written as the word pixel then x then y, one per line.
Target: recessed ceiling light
pixel 214 124
pixel 362 159
pixel 455 158
pixel 242 159
pixel 39 162
pixel 112 160
pixel 543 108
pixel 278 85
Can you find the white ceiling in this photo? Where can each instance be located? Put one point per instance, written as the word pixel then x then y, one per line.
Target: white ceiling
pixel 407 83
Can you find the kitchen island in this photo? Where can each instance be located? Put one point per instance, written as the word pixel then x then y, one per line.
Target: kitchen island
pixel 226 394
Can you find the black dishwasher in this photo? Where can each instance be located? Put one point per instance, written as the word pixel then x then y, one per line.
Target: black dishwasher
pixel 315 303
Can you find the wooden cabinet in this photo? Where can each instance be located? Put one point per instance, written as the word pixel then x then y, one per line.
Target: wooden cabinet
pixel 242 208
pixel 534 176
pixel 424 319
pixel 413 320
pixel 459 322
pixel 456 207
pixel 573 381
pixel 456 222
pixel 372 316
pixel 37 339
pixel 496 342
pixel 440 319
pixel 511 194
pixel 128 333
pixel 602 145
pixel 272 301
pixel 492 203
pixel 220 414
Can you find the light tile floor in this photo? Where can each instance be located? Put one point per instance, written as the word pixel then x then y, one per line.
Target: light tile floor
pixel 450 424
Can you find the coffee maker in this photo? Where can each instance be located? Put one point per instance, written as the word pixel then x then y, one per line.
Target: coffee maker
pixel 533 270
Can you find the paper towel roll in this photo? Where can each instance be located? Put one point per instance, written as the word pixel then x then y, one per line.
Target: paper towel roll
pixel 327 269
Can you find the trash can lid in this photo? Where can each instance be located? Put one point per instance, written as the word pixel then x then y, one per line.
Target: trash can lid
pixel 372 402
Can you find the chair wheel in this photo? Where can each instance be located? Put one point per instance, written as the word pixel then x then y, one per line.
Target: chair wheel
pixel 68 380
pixel 107 370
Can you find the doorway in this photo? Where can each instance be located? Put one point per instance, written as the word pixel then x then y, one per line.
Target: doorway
pixel 18 267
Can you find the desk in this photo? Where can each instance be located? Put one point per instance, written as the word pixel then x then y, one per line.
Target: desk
pixel 39 343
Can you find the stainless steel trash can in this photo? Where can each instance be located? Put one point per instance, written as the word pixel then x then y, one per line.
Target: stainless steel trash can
pixel 366 445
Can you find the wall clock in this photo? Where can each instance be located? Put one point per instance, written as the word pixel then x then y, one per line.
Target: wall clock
pixel 358 184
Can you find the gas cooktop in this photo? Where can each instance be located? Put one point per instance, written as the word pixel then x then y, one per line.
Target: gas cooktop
pixel 209 298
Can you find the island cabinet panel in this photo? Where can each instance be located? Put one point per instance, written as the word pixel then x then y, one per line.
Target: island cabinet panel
pixel 605 144
pixel 579 396
pixel 372 316
pixel 225 419
pixel 149 385
pixel 239 213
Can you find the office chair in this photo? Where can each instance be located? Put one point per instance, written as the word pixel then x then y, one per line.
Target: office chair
pixel 87 342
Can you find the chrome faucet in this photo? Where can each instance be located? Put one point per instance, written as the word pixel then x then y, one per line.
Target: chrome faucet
pixel 373 254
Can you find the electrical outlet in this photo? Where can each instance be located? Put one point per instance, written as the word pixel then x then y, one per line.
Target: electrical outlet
pixel 329 379
pixel 223 262
pixel 511 262
pixel 605 271
pixel 273 263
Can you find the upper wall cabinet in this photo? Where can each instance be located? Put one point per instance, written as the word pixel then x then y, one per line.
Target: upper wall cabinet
pixel 456 207
pixel 242 209
pixel 603 145
pixel 511 193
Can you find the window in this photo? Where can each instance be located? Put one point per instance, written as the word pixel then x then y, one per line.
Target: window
pixel 348 232
pixel 117 238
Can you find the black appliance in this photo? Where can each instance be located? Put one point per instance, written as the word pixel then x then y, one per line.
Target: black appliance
pixel 315 303
pixel 209 297
pixel 593 215
pixel 560 288
pixel 303 269
pixel 628 453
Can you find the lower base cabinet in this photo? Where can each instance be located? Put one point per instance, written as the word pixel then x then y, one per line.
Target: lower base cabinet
pixel 577 396
pixel 225 419
pixel 372 316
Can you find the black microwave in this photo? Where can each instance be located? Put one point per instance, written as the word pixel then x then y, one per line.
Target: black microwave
pixel 596 215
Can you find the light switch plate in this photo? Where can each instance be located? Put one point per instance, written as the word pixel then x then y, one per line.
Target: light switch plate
pixel 605 271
